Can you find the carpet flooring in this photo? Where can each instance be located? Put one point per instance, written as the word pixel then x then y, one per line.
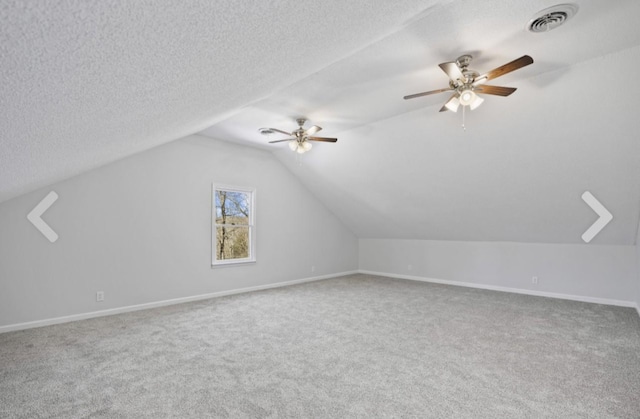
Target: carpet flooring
pixel 356 346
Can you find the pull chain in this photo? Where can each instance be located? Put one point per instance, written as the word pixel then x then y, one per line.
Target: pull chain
pixel 464 128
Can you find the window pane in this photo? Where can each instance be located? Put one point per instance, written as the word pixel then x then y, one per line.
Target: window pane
pixel 232 207
pixel 232 242
pixel 233 228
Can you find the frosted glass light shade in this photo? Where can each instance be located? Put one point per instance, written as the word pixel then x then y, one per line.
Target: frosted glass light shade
pixel 477 102
pixel 293 144
pixel 467 97
pixel 453 104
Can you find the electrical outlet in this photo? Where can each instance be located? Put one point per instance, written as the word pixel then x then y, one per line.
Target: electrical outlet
pixel 100 296
pixel 313 269
pixel 534 280
pixel 409 267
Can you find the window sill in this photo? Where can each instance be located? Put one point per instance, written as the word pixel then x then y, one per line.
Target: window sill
pixel 230 264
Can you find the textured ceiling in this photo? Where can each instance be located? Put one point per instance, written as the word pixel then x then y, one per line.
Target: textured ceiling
pixel 85 83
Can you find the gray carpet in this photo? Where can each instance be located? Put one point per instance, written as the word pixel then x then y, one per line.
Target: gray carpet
pixel 357 346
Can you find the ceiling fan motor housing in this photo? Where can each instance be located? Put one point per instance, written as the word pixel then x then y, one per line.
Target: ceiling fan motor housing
pixel 463 61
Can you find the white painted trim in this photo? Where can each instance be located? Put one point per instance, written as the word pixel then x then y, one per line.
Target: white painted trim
pixel 145 306
pixel 251 226
pixel 585 299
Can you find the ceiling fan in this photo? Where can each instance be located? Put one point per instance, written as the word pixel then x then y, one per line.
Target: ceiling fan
pixel 466 83
pixel 300 137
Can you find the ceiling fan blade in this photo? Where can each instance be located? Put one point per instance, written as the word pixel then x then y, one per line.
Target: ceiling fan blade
pixel 452 70
pixel 523 61
pixel 279 141
pixel 323 139
pixel 313 130
pixel 431 92
pixel 281 132
pixel 495 90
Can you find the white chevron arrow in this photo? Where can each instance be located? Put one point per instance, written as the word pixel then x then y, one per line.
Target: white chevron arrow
pixel 603 213
pixel 35 216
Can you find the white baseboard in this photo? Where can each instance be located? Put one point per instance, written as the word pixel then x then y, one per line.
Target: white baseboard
pixel 137 307
pixel 112 311
pixel 585 299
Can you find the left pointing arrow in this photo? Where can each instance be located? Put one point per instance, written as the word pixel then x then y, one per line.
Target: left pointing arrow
pixel 35 216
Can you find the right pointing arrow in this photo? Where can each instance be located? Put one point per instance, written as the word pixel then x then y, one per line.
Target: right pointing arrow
pixel 603 213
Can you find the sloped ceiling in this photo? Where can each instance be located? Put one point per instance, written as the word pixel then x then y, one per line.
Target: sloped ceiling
pixel 401 169
pixel 87 83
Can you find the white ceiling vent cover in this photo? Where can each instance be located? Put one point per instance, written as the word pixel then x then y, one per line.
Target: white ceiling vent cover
pixel 552 17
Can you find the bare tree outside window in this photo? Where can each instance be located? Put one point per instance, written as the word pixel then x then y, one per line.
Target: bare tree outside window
pixel 233 225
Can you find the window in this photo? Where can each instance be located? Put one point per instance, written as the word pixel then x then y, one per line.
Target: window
pixel 233 225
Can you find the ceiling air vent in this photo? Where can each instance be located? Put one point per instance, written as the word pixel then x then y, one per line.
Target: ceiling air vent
pixel 552 17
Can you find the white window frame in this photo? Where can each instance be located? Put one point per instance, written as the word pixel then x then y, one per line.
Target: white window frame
pixel 251 226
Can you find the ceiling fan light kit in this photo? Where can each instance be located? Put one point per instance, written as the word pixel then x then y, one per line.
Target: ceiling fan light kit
pixel 466 97
pixel 300 148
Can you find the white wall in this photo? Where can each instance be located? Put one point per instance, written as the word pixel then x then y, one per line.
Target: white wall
pixel 589 272
pixel 140 230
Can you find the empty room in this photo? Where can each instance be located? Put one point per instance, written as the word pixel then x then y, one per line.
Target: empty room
pixel 319 209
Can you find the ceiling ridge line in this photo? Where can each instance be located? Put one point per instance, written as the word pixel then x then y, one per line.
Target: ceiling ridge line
pixel 411 21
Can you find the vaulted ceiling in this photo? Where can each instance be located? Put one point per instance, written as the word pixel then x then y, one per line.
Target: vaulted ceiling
pixel 87 83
